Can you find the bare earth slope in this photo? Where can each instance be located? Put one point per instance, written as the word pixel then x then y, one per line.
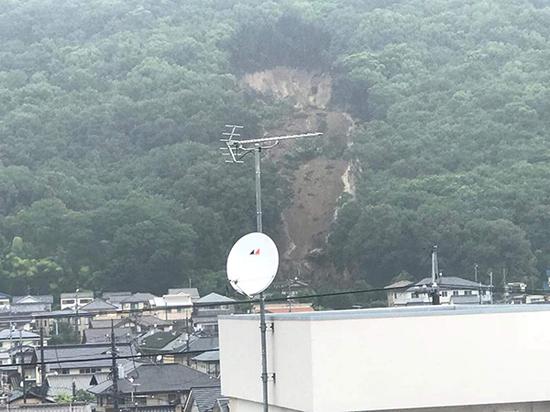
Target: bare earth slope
pixel 318 183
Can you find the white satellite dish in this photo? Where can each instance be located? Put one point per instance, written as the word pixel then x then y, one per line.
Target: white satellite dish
pixel 252 263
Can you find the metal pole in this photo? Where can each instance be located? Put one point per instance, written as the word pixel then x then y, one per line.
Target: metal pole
pixel 263 326
pixel 114 368
pixel 258 188
pixel 42 364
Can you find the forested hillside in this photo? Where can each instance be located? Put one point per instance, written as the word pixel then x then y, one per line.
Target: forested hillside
pixel 110 113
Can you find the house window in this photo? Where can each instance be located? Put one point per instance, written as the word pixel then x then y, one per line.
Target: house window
pixel 467 292
pixel 68 301
pixel 455 293
pixel 395 295
pixel 414 295
pixel 65 371
pixel 444 293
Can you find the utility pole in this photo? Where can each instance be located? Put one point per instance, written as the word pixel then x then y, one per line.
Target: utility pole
pixel 114 368
pixel 505 285
pixel 491 285
pixel 476 266
pixel 435 277
pixel 42 363
pixel 237 149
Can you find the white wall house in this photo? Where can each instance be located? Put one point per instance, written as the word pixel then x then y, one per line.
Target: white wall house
pixel 74 299
pixel 447 358
pixel 452 290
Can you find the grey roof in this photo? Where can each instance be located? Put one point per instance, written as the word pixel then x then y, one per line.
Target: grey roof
pixel 450 282
pixel 214 298
pixel 62 384
pixel 103 335
pixel 35 298
pixel 16 334
pixel 399 284
pixel 30 307
pixel 138 297
pixel 81 294
pixel 199 344
pixel 193 292
pixel 213 356
pixel 205 398
pixel 98 305
pixel 150 321
pixel 465 299
pixel 104 323
pixel 65 313
pixel 115 297
pixel 160 378
pixel 4 295
pixel 86 355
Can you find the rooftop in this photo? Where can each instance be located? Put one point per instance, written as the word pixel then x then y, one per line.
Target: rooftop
pixel 32 299
pixel 16 334
pixel 86 356
pixel 396 312
pixel 451 282
pixel 193 292
pixel 214 298
pixel 97 305
pixel 160 378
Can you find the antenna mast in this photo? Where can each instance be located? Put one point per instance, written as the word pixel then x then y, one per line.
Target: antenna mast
pixel 236 149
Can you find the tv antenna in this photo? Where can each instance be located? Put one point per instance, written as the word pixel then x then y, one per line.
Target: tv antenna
pixel 236 149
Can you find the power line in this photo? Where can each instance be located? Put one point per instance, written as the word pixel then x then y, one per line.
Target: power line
pixel 416 288
pixel 136 356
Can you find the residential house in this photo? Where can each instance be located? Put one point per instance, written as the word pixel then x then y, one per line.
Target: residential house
pixel 207 362
pixel 31 303
pixel 452 290
pixel 101 309
pixel 76 318
pixel 115 298
pixel 151 386
pixel 158 341
pixel 103 335
pixel 4 300
pixel 175 307
pixel 63 385
pixel 9 338
pixel 186 347
pixel 31 396
pixel 74 300
pixel 88 358
pixel 47 406
pixel 138 301
pixel 193 292
pixel 142 323
pixel 287 307
pixel 208 308
pixel 206 400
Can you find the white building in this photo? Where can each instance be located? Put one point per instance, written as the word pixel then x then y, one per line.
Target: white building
pixel 452 290
pixel 447 358
pixel 74 299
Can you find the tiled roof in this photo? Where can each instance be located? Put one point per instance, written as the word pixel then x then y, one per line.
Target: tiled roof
pixel 82 353
pixel 214 298
pixel 450 282
pixel 32 299
pixel 138 297
pixel 103 335
pixel 205 398
pixel 160 378
pixel 193 292
pixel 211 356
pixel 16 334
pixel 98 304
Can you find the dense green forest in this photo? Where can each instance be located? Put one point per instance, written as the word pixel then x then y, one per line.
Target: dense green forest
pixel 110 113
